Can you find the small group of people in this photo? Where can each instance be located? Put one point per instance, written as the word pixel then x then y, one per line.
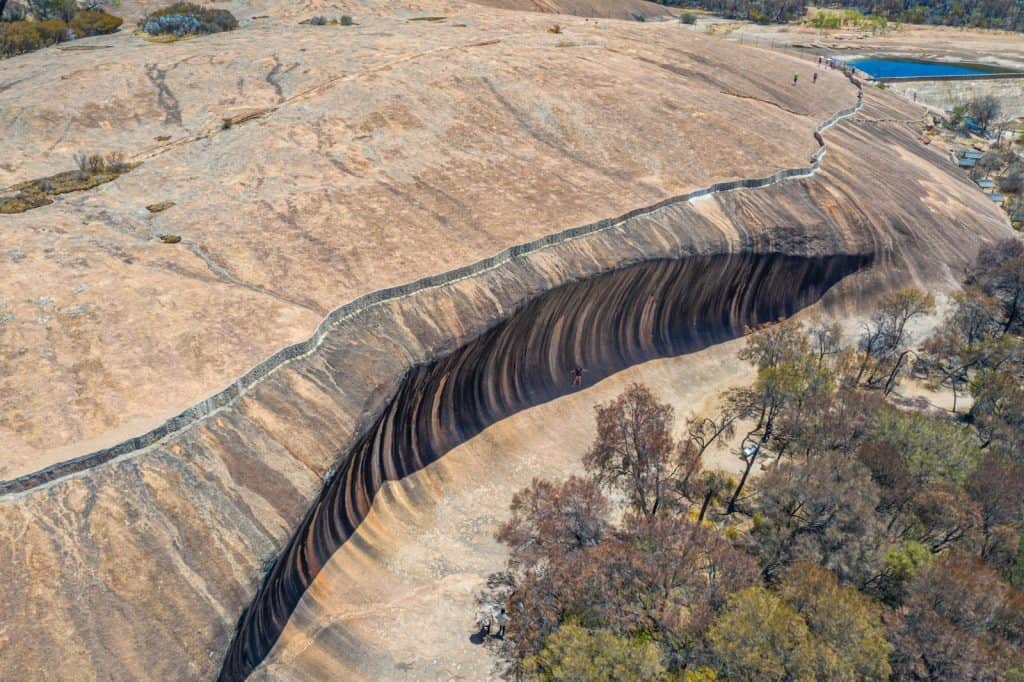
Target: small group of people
pixel 487 618
pixel 823 63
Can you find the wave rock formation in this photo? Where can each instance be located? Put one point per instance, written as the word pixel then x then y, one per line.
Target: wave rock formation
pixel 604 324
pixel 142 564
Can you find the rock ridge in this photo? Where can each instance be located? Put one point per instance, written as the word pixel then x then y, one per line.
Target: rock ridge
pixel 233 391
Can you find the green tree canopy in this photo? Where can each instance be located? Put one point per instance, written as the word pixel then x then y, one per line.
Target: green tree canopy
pixel 846 625
pixel 575 654
pixel 933 449
pixel 759 637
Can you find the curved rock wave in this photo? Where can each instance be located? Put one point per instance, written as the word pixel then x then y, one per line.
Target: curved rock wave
pixel 224 398
pixel 603 324
pixel 150 555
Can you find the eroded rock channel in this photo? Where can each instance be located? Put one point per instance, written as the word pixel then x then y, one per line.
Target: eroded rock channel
pixel 603 324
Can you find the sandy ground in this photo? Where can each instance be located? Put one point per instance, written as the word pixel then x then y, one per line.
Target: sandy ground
pixel 397 601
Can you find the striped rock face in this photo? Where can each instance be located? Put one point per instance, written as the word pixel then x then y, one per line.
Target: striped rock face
pixel 437 221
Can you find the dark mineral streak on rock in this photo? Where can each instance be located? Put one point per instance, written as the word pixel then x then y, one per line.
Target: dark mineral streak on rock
pixel 148 551
pixel 654 309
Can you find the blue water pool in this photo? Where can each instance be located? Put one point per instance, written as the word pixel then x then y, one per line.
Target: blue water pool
pixel 911 68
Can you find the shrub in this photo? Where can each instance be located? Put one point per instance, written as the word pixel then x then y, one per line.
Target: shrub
pixel 320 20
pixel 52 31
pixel 576 653
pixel 185 18
pixel 173 24
pixel 688 18
pixel 53 9
pixel 13 11
pixel 24 201
pixel 18 37
pixel 1012 181
pixel 956 116
pixel 159 207
pixel 93 170
pixel 934 449
pixel 89 23
pixel 95 164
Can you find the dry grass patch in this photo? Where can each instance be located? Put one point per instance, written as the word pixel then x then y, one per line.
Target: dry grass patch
pixel 93 170
pixel 242 117
pixel 159 207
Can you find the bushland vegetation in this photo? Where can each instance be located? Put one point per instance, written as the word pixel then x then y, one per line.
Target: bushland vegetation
pixel 1003 162
pixel 321 20
pixel 92 170
pixel 41 23
pixel 984 109
pixel 883 540
pixel 847 18
pixel 997 14
pixel 185 18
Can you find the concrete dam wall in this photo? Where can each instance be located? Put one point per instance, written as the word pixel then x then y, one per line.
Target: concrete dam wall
pixel 603 324
pixel 947 94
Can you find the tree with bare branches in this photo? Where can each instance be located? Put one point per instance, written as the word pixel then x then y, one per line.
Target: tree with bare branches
pixel 984 109
pixel 634 451
pixel 885 342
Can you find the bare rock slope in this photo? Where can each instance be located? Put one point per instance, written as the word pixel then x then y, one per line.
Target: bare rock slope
pixel 379 154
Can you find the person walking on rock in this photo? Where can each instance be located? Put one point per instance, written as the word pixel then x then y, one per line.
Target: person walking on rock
pixel 502 619
pixel 796 77
pixel 814 78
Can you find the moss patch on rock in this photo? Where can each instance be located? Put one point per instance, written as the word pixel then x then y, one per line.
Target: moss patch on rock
pixel 93 171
